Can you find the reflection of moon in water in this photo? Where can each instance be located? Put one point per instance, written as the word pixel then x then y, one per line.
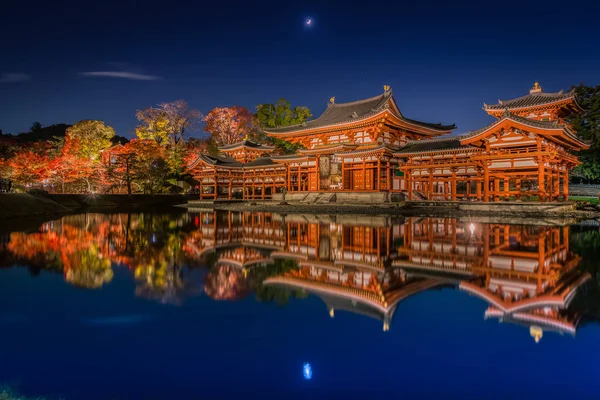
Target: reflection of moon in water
pixel 307 371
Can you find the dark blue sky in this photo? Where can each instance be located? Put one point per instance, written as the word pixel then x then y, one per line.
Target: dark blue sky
pixel 442 59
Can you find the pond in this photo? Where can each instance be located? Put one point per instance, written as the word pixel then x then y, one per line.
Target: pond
pixel 222 304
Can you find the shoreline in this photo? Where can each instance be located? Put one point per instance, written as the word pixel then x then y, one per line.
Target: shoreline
pixel 395 210
pixel 16 206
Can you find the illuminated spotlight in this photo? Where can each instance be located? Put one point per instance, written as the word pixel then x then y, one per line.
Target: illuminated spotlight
pixel 307 371
pixel 472 228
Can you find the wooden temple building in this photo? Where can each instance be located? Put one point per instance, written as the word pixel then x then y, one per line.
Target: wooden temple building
pixel 370 147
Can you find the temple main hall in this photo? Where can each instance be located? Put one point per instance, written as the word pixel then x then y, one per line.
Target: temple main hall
pixel 368 150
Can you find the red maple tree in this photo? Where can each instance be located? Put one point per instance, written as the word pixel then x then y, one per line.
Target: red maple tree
pixel 228 125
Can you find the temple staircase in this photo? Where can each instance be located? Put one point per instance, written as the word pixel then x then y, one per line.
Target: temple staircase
pixel 326 198
pixel 311 198
pixel 319 198
pixel 417 195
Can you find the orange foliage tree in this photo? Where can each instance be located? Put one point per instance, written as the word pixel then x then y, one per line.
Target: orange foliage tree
pixel 69 167
pixel 228 125
pixel 194 147
pixel 28 167
pixel 139 163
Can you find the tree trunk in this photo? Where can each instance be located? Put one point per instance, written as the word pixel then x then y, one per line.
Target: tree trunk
pixel 128 177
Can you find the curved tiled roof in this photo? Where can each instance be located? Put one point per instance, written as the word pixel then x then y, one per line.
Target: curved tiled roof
pixel 525 121
pixel 530 100
pixel 217 161
pixel 418 146
pixel 260 162
pixel 366 149
pixel 341 113
pixel 431 125
pixel 291 156
pixel 246 143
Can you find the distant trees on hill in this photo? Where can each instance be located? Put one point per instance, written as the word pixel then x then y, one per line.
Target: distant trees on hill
pixel 38 133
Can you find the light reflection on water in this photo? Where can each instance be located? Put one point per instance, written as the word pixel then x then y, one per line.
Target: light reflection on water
pixel 532 277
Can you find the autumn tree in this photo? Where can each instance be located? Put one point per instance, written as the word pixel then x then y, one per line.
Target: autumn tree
pixel 28 167
pixel 278 115
pixel 68 168
pixel 150 168
pixel 167 124
pixel 139 163
pixel 193 148
pixel 119 170
pixel 92 137
pixel 228 125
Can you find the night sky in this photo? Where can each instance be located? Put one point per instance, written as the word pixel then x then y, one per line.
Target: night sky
pixel 67 61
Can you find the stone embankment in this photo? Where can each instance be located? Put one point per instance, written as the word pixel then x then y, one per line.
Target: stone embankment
pixel 494 213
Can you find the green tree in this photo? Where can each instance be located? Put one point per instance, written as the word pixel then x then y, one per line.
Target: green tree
pixel 36 127
pixel 278 115
pixel 91 137
pixel 587 126
pixel 281 114
pixel 213 148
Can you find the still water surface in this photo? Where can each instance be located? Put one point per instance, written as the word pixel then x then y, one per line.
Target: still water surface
pixel 221 305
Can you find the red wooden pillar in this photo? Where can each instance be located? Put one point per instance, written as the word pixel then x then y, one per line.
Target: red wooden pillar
pixel 486 183
pixel 453 188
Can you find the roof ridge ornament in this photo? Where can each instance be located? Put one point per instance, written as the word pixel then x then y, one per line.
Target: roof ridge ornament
pixel 536 88
pixel 386 89
pixel 332 100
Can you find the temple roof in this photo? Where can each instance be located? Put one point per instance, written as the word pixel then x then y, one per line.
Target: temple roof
pixel 508 115
pixel 260 162
pixel 533 99
pixel 246 143
pixel 369 148
pixel 546 125
pixel 328 148
pixel 419 146
pixel 216 161
pixel 341 113
pixel 287 157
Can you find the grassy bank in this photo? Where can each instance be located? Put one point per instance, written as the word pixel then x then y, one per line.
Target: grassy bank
pixel 15 205
pixel 18 205
pixel 593 200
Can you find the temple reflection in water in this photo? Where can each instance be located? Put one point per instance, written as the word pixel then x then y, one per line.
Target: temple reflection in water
pixel 363 265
